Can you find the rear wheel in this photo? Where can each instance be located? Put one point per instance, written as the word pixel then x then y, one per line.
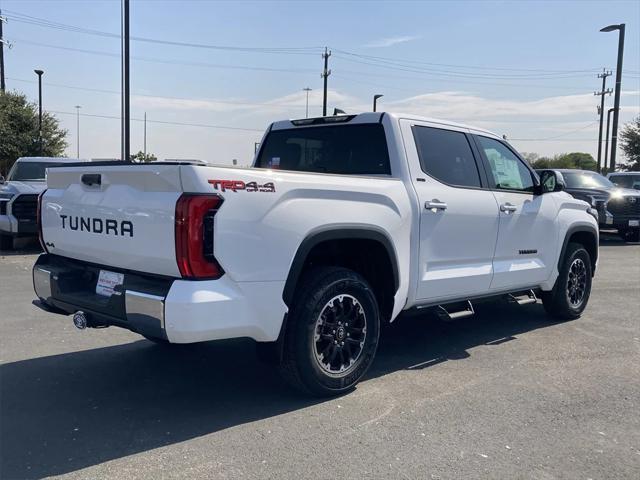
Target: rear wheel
pixel 6 242
pixel 570 294
pixel 332 332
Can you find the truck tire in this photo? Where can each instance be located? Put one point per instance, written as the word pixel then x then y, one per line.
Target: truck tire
pixel 6 242
pixel 570 294
pixel 332 332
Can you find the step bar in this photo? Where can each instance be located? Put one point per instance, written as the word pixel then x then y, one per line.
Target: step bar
pixel 523 298
pixel 464 309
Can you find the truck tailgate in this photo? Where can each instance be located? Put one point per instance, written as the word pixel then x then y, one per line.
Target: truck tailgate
pixel 120 215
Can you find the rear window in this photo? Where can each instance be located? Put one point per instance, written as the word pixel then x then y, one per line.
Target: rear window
pixel 344 149
pixel 446 155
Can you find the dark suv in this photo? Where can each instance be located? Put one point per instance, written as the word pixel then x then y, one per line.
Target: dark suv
pixel 617 207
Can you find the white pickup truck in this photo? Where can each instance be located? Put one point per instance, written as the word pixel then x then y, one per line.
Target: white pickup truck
pixel 341 224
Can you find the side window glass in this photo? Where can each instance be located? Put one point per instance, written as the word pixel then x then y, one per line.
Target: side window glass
pixel 447 156
pixel 508 171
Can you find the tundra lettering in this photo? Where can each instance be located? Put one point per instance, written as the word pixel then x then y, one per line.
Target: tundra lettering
pixel 98 225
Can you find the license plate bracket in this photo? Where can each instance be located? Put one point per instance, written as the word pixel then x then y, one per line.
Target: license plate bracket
pixel 107 282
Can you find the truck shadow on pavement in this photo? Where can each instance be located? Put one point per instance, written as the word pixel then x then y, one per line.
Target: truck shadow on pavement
pixel 66 412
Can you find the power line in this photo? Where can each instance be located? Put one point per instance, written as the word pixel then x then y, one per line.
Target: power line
pixel 450 73
pixel 163 122
pixel 116 92
pixel 473 67
pixel 169 62
pixel 555 137
pixel 41 22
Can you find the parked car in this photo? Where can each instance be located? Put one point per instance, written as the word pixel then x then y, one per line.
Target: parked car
pixel 625 179
pixel 342 223
pixel 19 196
pixel 618 208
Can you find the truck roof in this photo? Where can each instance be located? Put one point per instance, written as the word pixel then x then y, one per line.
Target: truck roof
pixel 51 159
pixel 373 117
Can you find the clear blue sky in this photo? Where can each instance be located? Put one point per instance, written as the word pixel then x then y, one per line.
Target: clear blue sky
pixel 525 69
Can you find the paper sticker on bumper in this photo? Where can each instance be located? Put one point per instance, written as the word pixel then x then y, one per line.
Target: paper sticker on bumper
pixel 107 282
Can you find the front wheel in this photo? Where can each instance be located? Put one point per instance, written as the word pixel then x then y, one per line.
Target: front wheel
pixel 332 332
pixel 570 294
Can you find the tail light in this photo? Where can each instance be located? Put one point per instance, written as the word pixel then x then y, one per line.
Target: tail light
pixel 194 236
pixel 39 222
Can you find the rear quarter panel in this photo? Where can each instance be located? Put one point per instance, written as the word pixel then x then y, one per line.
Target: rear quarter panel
pixel 257 233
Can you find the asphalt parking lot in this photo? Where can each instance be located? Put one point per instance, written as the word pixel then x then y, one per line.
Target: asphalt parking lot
pixel 504 394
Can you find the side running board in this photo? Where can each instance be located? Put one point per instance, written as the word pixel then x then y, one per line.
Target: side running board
pixel 523 298
pixel 444 314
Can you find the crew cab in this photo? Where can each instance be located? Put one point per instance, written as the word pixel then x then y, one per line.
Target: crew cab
pixel 19 197
pixel 341 224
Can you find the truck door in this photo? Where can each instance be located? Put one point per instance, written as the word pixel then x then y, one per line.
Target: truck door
pixel 527 236
pixel 458 215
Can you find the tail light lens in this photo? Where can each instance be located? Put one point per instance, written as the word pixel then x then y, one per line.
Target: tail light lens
pixel 39 222
pixel 194 236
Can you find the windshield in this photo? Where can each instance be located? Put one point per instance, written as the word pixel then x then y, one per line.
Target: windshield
pixel 30 171
pixel 586 180
pixel 626 181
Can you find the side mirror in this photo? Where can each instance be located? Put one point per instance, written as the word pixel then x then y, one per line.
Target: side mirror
pixel 2 180
pixel 551 181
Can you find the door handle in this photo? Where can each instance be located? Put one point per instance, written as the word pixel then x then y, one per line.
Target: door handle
pixel 508 208
pixel 435 204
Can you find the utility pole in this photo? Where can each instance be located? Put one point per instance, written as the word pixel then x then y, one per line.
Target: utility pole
pixel 145 136
pixel 306 110
pixel 39 73
pixel 78 107
pixel 616 100
pixel 602 93
pixel 325 75
pixel 2 84
pixel 606 141
pixel 126 119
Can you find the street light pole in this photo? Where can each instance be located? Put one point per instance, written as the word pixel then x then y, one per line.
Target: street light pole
pixel 126 118
pixel 375 100
pixel 616 101
pixel 606 140
pixel 39 73
pixel 306 110
pixel 78 107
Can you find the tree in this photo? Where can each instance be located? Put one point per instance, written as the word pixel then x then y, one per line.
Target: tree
pixel 19 131
pixel 141 157
pixel 630 145
pixel 578 160
pixel 582 161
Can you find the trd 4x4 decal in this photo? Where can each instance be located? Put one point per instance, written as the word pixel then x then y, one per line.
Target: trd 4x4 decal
pixel 237 185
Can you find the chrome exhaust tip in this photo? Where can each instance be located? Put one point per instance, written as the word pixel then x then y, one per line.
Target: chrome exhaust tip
pixel 80 320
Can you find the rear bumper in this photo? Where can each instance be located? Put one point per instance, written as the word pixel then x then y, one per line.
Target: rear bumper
pixel 180 311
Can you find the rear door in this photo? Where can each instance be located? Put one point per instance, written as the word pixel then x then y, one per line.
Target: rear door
pixel 458 216
pixel 122 216
pixel 527 238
